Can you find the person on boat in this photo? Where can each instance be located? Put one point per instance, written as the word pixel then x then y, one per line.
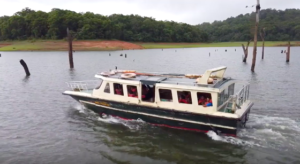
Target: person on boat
pixel 145 91
pixel 132 92
pixel 118 90
pixel 208 102
pixel 201 101
pixel 150 94
pixel 188 97
pixel 183 99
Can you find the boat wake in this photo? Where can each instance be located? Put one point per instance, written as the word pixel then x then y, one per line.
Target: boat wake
pixel 80 108
pixel 131 124
pixel 262 131
pixel 266 131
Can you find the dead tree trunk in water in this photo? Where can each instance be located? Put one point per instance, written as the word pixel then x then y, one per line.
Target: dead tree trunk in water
pixel 70 39
pixel 262 36
pixel 245 51
pixel 255 36
pixel 288 52
pixel 25 67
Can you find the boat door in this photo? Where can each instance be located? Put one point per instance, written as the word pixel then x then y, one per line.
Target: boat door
pixel 148 89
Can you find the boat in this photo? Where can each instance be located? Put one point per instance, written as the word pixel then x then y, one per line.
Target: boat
pixel 197 102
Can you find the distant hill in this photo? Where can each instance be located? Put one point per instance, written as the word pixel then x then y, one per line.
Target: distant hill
pixel 279 26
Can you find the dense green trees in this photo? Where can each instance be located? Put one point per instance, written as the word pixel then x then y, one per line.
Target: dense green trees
pixel 30 24
pixel 279 26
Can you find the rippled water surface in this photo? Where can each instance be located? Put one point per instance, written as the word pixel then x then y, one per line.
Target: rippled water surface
pixel 40 125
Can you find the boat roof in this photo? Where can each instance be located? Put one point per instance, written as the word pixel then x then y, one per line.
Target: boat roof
pixel 172 78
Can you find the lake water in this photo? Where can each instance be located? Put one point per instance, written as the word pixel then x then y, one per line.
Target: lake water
pixel 39 125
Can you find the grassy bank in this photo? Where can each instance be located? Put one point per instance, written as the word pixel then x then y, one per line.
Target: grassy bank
pixel 100 45
pixel 61 45
pixel 218 44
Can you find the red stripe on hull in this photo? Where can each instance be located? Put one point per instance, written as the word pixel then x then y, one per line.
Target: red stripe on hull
pixel 174 127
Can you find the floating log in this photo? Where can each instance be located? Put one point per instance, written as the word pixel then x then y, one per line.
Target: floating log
pixel 25 67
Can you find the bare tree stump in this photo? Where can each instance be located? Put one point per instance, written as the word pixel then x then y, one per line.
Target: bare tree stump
pixel 262 36
pixel 25 67
pixel 288 52
pixel 70 39
pixel 245 51
pixel 255 37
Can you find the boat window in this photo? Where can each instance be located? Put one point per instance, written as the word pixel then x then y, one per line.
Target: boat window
pixel 231 89
pixel 99 84
pixel 107 88
pixel 225 94
pixel 165 95
pixel 118 89
pixel 204 99
pixel 221 98
pixel 132 91
pixel 184 97
pixel 148 92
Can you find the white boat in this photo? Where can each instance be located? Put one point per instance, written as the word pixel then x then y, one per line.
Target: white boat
pixel 183 101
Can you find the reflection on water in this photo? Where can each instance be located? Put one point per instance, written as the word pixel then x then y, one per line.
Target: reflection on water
pixel 40 125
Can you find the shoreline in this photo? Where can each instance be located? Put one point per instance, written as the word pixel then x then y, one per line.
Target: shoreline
pixel 114 45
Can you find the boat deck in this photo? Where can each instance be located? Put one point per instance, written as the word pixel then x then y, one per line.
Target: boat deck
pixel 169 78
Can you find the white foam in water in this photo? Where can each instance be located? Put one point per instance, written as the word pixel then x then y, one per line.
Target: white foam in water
pixel 265 131
pixel 131 124
pixel 231 140
pixel 80 108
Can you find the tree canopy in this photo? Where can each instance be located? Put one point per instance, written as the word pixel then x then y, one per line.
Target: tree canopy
pixel 279 26
pixel 29 24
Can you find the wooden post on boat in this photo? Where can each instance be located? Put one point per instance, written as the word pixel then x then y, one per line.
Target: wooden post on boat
pixel 255 37
pixel 288 52
pixel 70 49
pixel 245 51
pixel 262 36
pixel 25 67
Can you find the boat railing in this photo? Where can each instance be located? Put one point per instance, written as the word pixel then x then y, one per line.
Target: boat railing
pixel 243 95
pixel 235 101
pixel 83 85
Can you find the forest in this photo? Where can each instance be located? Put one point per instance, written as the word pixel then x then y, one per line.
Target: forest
pixel 279 26
pixel 30 24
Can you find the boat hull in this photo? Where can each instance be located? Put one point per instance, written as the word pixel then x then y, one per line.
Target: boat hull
pixel 164 117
